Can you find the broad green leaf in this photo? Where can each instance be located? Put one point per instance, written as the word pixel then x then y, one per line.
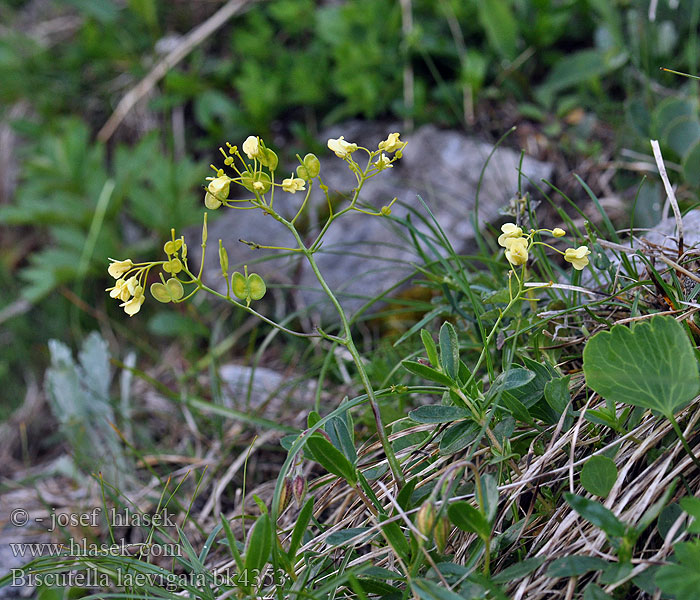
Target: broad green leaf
pixel 489 489
pixel 468 518
pixel 458 437
pixel 341 437
pixel 259 545
pixel 556 393
pixel 593 592
pixel 449 350
pixel 599 475
pixel 691 160
pixel 575 565
pixel 340 538
pixel 597 514
pixel 427 372
pixel 300 528
pixel 429 590
pixel 330 458
pixel 682 579
pixel 397 539
pixel 651 365
pixel 437 413
pixel 519 569
pixel 682 134
pixel 691 505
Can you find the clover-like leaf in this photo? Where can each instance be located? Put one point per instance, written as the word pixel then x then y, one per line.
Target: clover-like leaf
pixel 170 291
pixel 651 365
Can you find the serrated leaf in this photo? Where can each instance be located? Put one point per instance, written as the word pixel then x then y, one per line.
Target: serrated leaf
pixel 599 475
pixel 651 365
pixel 437 413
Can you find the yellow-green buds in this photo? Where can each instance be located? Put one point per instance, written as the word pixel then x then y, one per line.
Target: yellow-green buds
pixel 119 267
pixel 392 143
pixel 168 291
pixel 341 148
pixel 383 162
pixel 293 185
pixel 510 230
pixel 385 211
pixel 431 526
pixel 285 495
pixel 425 518
pixel 251 147
pixel 558 232
pixel 578 257
pixel 247 287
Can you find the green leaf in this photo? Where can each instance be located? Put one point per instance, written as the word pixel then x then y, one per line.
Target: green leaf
pixel 458 437
pixel 519 569
pixel 437 413
pixel 259 545
pixel 430 347
pixel 300 528
pixel 232 544
pixel 556 393
pixel 468 518
pixel 511 379
pixel 651 365
pixel 593 592
pixel 489 489
pixel 396 538
pixel 682 579
pixel 599 475
pixel 340 538
pixel 341 437
pixel 427 372
pixel 449 350
pixel 501 27
pixel 691 160
pixel 691 505
pixel 429 590
pixel 575 565
pixel 330 458
pixel 597 514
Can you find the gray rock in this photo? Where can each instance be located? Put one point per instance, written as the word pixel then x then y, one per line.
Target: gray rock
pixel 362 256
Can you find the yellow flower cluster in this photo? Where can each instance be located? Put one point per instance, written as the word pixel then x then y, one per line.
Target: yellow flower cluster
pixel 517 246
pixel 128 289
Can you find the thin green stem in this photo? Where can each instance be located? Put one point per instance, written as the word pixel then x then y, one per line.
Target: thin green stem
pixel 684 442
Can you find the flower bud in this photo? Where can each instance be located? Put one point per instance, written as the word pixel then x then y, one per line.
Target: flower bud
pixel 425 518
pixel 285 495
pixel 441 533
pixel 223 259
pixel 299 486
pixel 558 232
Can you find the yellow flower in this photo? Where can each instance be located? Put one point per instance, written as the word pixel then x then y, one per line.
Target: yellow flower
pixel 211 202
pixel 516 251
pixel 383 162
pixel 392 143
pixel 219 187
pixel 251 147
pixel 341 148
pixel 120 290
pixel 119 267
pixel 578 257
pixel 510 231
pixel 134 305
pixel 558 232
pixel 293 185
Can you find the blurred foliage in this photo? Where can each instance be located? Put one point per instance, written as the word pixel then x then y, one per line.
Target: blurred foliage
pixel 290 67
